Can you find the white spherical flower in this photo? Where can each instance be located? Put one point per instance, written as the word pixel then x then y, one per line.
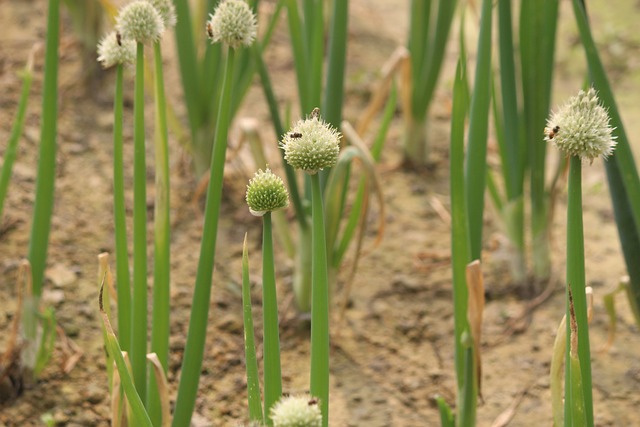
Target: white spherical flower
pixel 113 49
pixel 167 12
pixel 311 145
pixel 265 193
pixel 296 411
pixel 581 128
pixel 140 21
pixel 233 23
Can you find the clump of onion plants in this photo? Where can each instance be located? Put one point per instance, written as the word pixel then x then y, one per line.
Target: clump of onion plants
pixel 140 23
pixel 581 131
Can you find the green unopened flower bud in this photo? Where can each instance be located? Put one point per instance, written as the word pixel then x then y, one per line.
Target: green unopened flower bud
pixel 140 21
pixel 233 23
pixel 581 128
pixel 296 411
pixel 266 192
pixel 113 49
pixel 167 12
pixel 311 145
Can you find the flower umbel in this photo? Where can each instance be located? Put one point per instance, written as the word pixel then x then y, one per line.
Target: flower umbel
pixel 296 411
pixel 266 192
pixel 140 21
pixel 167 11
pixel 311 145
pixel 113 49
pixel 581 128
pixel 233 23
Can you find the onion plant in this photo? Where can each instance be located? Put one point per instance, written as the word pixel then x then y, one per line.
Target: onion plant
pixel 162 223
pixel 537 46
pixel 622 173
pixel 467 204
pixel 44 194
pixel 311 146
pixel 113 50
pixel 233 24
pixel 518 124
pixel 266 193
pixel 430 23
pixel 139 21
pixel 580 130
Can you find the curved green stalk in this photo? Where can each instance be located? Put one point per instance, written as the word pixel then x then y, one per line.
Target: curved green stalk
pixel 194 349
pixel 162 241
pixel 576 282
pixel 45 183
pixel 16 133
pixel 319 304
pixel 120 224
pixel 139 309
pixel 272 371
pixel 251 361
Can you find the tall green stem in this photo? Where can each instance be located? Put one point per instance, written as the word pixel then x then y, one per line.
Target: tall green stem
pixel 139 313
pixel 576 282
pixel 272 371
pixel 194 349
pixel 162 242
pixel 119 215
pixel 319 304
pixel 45 183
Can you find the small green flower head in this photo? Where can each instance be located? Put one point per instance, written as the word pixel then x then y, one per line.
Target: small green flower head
pixel 114 50
pixel 581 128
pixel 140 21
pixel 233 23
pixel 167 12
pixel 266 192
pixel 296 411
pixel 311 145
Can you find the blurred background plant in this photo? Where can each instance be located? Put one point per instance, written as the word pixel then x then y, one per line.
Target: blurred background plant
pixel 430 24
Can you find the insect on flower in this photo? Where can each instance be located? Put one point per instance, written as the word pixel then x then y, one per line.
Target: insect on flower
pixel 209 30
pixel 553 132
pixel 295 135
pixel 313 401
pixel 119 39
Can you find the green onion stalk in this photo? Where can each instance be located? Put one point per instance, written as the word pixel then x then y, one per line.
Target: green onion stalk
pixel 622 173
pixel 113 50
pixel 234 24
pixel 162 224
pixel 311 146
pixel 580 129
pixel 265 193
pixel 45 188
